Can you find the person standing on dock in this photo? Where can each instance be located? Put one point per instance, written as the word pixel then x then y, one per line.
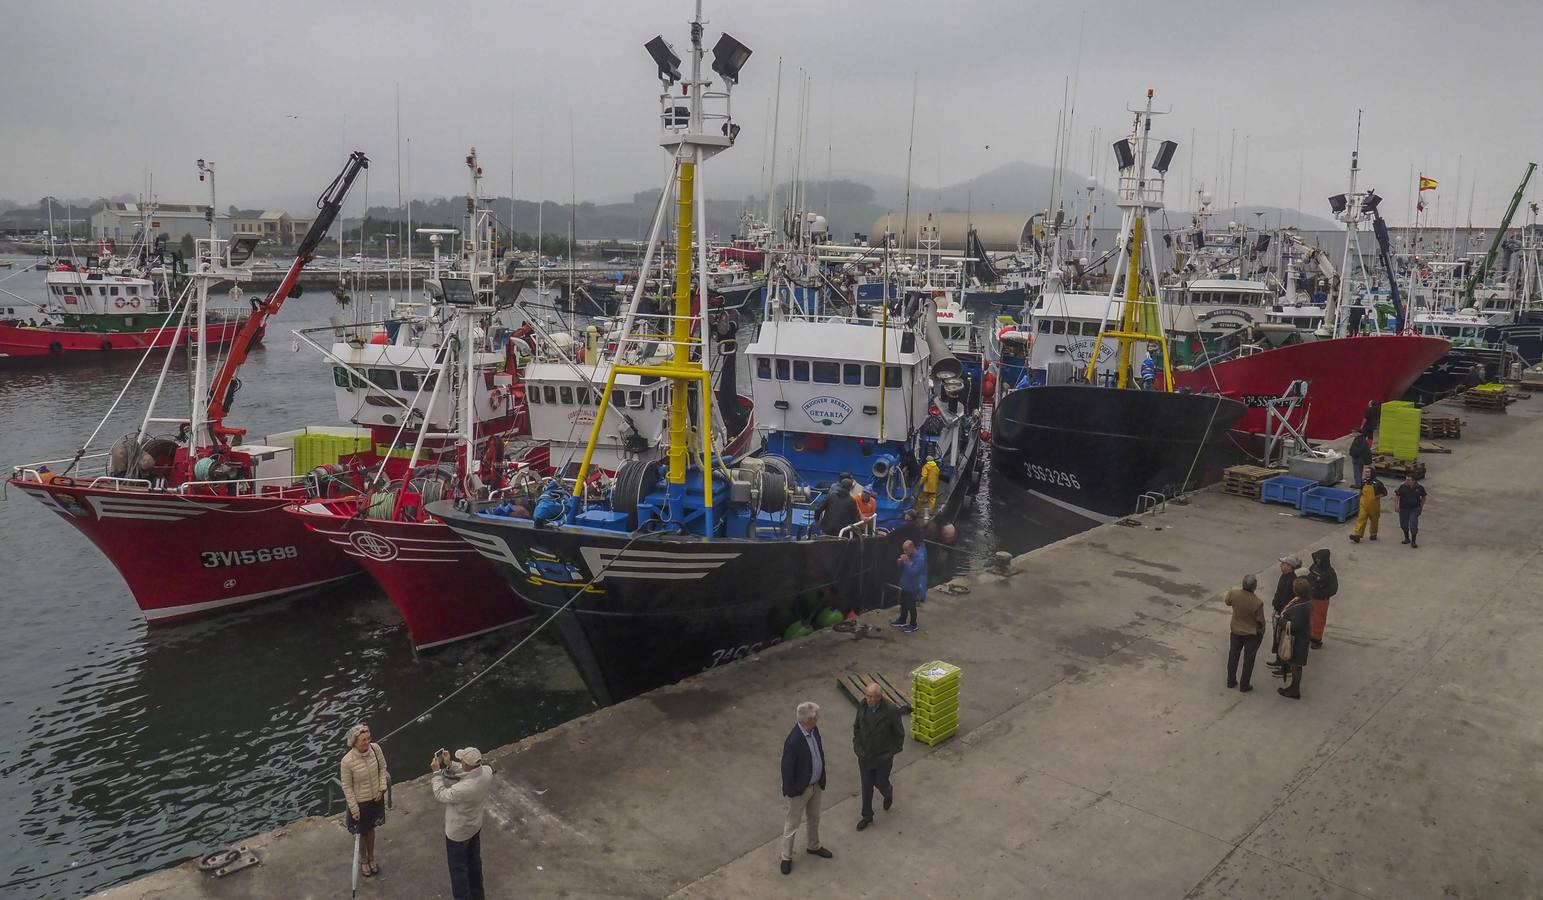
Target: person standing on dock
pixel 877 735
pixel 1297 617
pixel 1283 594
pixel 913 583
pixel 1247 632
pixel 803 782
pixel 1371 419
pixel 1325 585
pixel 929 485
pixel 364 777
pixel 464 792
pixel 1370 509
pixel 1411 502
pixel 1360 457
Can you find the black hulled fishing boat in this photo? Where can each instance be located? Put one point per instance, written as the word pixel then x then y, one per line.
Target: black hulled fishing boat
pixel 1096 441
pixel 691 560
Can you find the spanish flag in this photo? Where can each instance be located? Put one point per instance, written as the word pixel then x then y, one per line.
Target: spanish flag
pixel 1427 184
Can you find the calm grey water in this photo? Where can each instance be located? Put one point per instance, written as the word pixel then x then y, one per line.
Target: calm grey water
pixel 125 749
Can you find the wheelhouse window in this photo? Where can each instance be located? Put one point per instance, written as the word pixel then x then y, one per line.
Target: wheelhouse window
pixel 133 290
pixel 784 370
pixel 550 393
pixel 385 379
pixel 852 373
pixel 800 370
pixel 566 394
pixel 634 399
pixel 1058 326
pixel 763 368
pixel 827 373
pixel 1090 329
pixel 892 377
pixel 870 376
pixel 535 396
pixel 409 380
pixel 1044 326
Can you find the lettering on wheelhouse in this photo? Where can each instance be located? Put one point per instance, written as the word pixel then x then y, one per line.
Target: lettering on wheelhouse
pixel 1052 476
pixel 220 559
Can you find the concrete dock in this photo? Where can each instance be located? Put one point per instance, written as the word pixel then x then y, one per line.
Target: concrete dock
pixel 1100 754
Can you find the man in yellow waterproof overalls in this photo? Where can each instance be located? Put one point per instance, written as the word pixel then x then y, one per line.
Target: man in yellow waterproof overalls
pixel 1372 492
pixel 930 486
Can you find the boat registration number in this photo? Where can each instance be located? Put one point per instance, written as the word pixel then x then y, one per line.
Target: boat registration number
pixel 1053 476
pixel 219 559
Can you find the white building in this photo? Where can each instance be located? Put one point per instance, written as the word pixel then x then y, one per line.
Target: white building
pixel 120 222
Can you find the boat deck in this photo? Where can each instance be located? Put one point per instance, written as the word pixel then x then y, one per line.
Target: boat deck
pixel 1099 753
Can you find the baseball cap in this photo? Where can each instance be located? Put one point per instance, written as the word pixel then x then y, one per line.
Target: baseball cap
pixel 469 756
pixel 1291 561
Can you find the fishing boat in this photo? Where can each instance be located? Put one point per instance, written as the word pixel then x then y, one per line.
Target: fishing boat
pixel 694 560
pixel 1092 440
pixel 186 507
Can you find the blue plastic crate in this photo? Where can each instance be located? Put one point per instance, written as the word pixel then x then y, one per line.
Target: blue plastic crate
pixel 1285 489
pixel 1334 503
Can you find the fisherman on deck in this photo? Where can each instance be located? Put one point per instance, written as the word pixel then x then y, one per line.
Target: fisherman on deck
pixel 1148 372
pixel 929 485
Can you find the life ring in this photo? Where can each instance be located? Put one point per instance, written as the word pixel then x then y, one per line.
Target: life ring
pixel 120 302
pixel 496 398
pixel 107 346
pixel 62 481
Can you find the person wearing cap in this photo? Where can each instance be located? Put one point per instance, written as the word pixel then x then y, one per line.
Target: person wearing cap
pixel 464 790
pixel 1283 592
pixel 364 777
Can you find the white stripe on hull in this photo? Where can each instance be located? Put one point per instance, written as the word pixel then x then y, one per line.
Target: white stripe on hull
pixel 189 608
pixel 669 565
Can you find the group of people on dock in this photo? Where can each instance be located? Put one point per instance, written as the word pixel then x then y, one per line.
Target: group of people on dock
pixel 1300 613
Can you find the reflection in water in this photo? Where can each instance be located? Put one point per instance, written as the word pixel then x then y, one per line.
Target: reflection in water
pixel 124 750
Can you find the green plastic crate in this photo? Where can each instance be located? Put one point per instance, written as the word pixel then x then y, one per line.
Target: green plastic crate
pixel 934 676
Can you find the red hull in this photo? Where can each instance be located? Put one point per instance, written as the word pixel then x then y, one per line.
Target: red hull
pixel 444 590
pixel 38 343
pixel 1344 375
pixel 185 556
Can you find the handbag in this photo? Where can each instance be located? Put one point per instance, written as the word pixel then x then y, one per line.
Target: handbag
pixel 1286 647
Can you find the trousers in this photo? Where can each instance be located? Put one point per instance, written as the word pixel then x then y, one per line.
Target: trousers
pixel 465 859
pixel 875 773
pixel 1244 646
pixel 1369 513
pixel 1320 617
pixel 1409 521
pixel 908 608
pixel 804 805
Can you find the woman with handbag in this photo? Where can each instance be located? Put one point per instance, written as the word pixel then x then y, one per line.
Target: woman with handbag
pixel 365 779
pixel 1295 624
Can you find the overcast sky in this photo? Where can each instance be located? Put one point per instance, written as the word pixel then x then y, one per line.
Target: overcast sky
pixel 98 94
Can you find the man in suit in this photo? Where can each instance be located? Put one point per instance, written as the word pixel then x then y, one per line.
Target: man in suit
pixel 803 782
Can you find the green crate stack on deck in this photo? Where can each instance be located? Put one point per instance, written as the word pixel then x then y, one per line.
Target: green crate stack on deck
pixel 1399 434
pixel 322 449
pixel 934 702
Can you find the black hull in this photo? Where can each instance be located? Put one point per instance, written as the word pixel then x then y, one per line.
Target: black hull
pixel 1008 298
pixel 671 606
pixel 1460 369
pixel 1098 450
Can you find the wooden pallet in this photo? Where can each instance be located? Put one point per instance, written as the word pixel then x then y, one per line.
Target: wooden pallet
pixel 1244 481
pixel 1389 465
pixel 1433 447
pixel 1441 427
pixel 1489 401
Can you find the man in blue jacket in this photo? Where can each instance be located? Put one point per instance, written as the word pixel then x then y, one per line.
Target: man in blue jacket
pixel 913 584
pixel 803 782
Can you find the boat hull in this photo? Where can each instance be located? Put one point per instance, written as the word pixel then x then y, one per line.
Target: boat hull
pixel 1098 450
pixel 22 343
pixel 635 613
pixel 188 556
pixel 444 590
pixel 1343 375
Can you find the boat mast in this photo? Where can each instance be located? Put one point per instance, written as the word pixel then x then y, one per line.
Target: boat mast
pixel 1350 214
pixel 197 440
pixel 1140 195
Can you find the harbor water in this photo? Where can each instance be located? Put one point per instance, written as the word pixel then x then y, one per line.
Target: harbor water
pixel 124 749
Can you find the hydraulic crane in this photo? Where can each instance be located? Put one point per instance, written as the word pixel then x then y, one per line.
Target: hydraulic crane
pixel 222 392
pixel 1482 271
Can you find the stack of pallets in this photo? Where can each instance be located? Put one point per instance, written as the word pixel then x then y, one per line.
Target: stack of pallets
pixel 1383 464
pixel 1488 397
pixel 1244 481
pixel 934 702
pixel 1441 427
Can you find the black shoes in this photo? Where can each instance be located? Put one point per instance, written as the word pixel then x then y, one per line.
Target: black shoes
pixel 1245 688
pixel 822 853
pixel 1405 540
pixel 889 801
pixel 1355 539
pixel 1315 645
pixel 1414 545
pixel 1372 538
pixel 1231 684
pixel 1287 692
pixel 864 822
pixel 787 867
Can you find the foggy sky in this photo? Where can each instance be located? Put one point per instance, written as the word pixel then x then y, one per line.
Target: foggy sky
pixel 97 95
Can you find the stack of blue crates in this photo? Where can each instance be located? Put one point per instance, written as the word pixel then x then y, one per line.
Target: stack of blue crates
pixel 1309 497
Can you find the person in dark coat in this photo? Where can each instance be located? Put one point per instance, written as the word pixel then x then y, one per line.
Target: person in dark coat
pixel 1372 419
pixel 803 782
pixel 1360 457
pixel 1298 614
pixel 840 508
pixel 877 735
pixel 1288 576
pixel 1325 585
pixel 1410 498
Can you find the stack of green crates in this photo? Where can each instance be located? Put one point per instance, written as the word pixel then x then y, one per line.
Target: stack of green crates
pixel 934 702
pixel 1399 434
pixel 323 449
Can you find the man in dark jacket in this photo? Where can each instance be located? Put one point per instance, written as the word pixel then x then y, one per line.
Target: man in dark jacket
pixel 1360 457
pixel 1288 576
pixel 877 735
pixel 1371 419
pixel 839 508
pixel 803 782
pixel 1298 615
pixel 1325 585
pixel 1410 498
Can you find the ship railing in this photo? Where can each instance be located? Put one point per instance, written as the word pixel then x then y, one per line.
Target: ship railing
pixel 193 487
pixel 1151 501
pixel 864 527
pixel 118 483
pixel 34 471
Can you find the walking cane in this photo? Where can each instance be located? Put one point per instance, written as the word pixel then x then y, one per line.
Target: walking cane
pixel 355 884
